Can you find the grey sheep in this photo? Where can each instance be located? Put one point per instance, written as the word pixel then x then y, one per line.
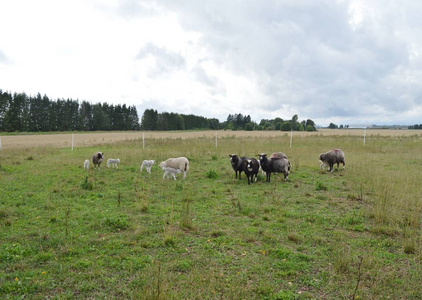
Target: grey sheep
pixel 97 159
pixel 251 168
pixel 237 163
pixel 335 156
pixel 277 164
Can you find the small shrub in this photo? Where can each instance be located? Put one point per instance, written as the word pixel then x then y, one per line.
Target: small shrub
pixel 294 237
pixel 342 260
pixel 320 186
pixel 87 184
pixel 169 241
pixel 212 174
pixel 214 157
pixel 117 223
pixel 409 247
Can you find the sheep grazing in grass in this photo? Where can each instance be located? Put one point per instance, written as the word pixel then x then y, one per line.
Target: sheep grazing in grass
pixel 97 159
pixel 86 164
pixel 147 164
pixel 277 164
pixel 171 171
pixel 335 156
pixel 178 163
pixel 238 163
pixel 113 162
pixel 251 168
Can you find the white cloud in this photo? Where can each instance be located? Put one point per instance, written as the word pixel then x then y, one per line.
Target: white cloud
pixel 331 61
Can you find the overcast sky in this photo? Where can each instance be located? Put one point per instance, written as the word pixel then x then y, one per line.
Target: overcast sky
pixel 346 62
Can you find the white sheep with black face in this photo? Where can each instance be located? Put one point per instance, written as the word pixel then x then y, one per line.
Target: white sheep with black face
pixel 335 156
pixel 97 159
pixel 178 163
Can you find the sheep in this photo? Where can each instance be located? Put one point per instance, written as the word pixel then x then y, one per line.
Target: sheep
pixel 237 163
pixel 86 164
pixel 277 164
pixel 113 162
pixel 335 156
pixel 278 155
pixel 147 164
pixel 251 168
pixel 97 159
pixel 171 171
pixel 179 163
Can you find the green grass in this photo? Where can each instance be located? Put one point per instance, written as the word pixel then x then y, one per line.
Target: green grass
pixel 117 233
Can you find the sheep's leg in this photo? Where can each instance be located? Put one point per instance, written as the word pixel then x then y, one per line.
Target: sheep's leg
pixel 164 175
pixel 184 174
pixel 174 176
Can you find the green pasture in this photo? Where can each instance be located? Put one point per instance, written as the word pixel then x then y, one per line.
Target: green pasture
pixel 355 233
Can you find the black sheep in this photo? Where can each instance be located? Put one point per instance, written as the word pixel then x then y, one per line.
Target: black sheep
pixel 237 163
pixel 251 168
pixel 276 164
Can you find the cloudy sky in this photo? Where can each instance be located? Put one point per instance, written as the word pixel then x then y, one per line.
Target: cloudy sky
pixel 340 61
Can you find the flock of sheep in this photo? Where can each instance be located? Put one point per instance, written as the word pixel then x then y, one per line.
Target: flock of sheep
pixel 276 163
pixel 171 166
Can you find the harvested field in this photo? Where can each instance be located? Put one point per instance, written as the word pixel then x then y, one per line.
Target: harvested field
pixel 84 139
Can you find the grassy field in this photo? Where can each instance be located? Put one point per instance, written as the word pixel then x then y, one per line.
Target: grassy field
pixel 68 233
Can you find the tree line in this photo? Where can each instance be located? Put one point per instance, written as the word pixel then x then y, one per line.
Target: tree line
pixel 20 112
pixel 242 122
pixel 152 120
pixel 23 113
pixel 416 126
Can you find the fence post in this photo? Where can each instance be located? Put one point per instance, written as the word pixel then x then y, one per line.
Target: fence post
pixel 216 139
pixel 364 137
pixel 291 138
pixel 0 143
pixel 73 139
pixel 143 140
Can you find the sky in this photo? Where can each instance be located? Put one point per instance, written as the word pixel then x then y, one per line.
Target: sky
pixel 332 61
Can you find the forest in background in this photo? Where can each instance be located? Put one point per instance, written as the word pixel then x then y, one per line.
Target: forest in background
pixel 22 113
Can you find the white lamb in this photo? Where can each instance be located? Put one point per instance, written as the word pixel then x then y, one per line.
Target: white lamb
pixel 147 164
pixel 86 164
pixel 179 163
pixel 170 171
pixel 113 162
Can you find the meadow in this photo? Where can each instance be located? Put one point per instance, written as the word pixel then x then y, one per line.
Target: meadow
pixel 355 233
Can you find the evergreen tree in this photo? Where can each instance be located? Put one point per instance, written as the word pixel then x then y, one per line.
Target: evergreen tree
pixel 149 119
pixel 5 100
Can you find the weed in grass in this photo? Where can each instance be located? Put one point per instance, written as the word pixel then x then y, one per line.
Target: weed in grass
pixel 212 174
pixel 320 186
pixel 342 259
pixel 86 184
pixel 118 223
pixel 185 217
